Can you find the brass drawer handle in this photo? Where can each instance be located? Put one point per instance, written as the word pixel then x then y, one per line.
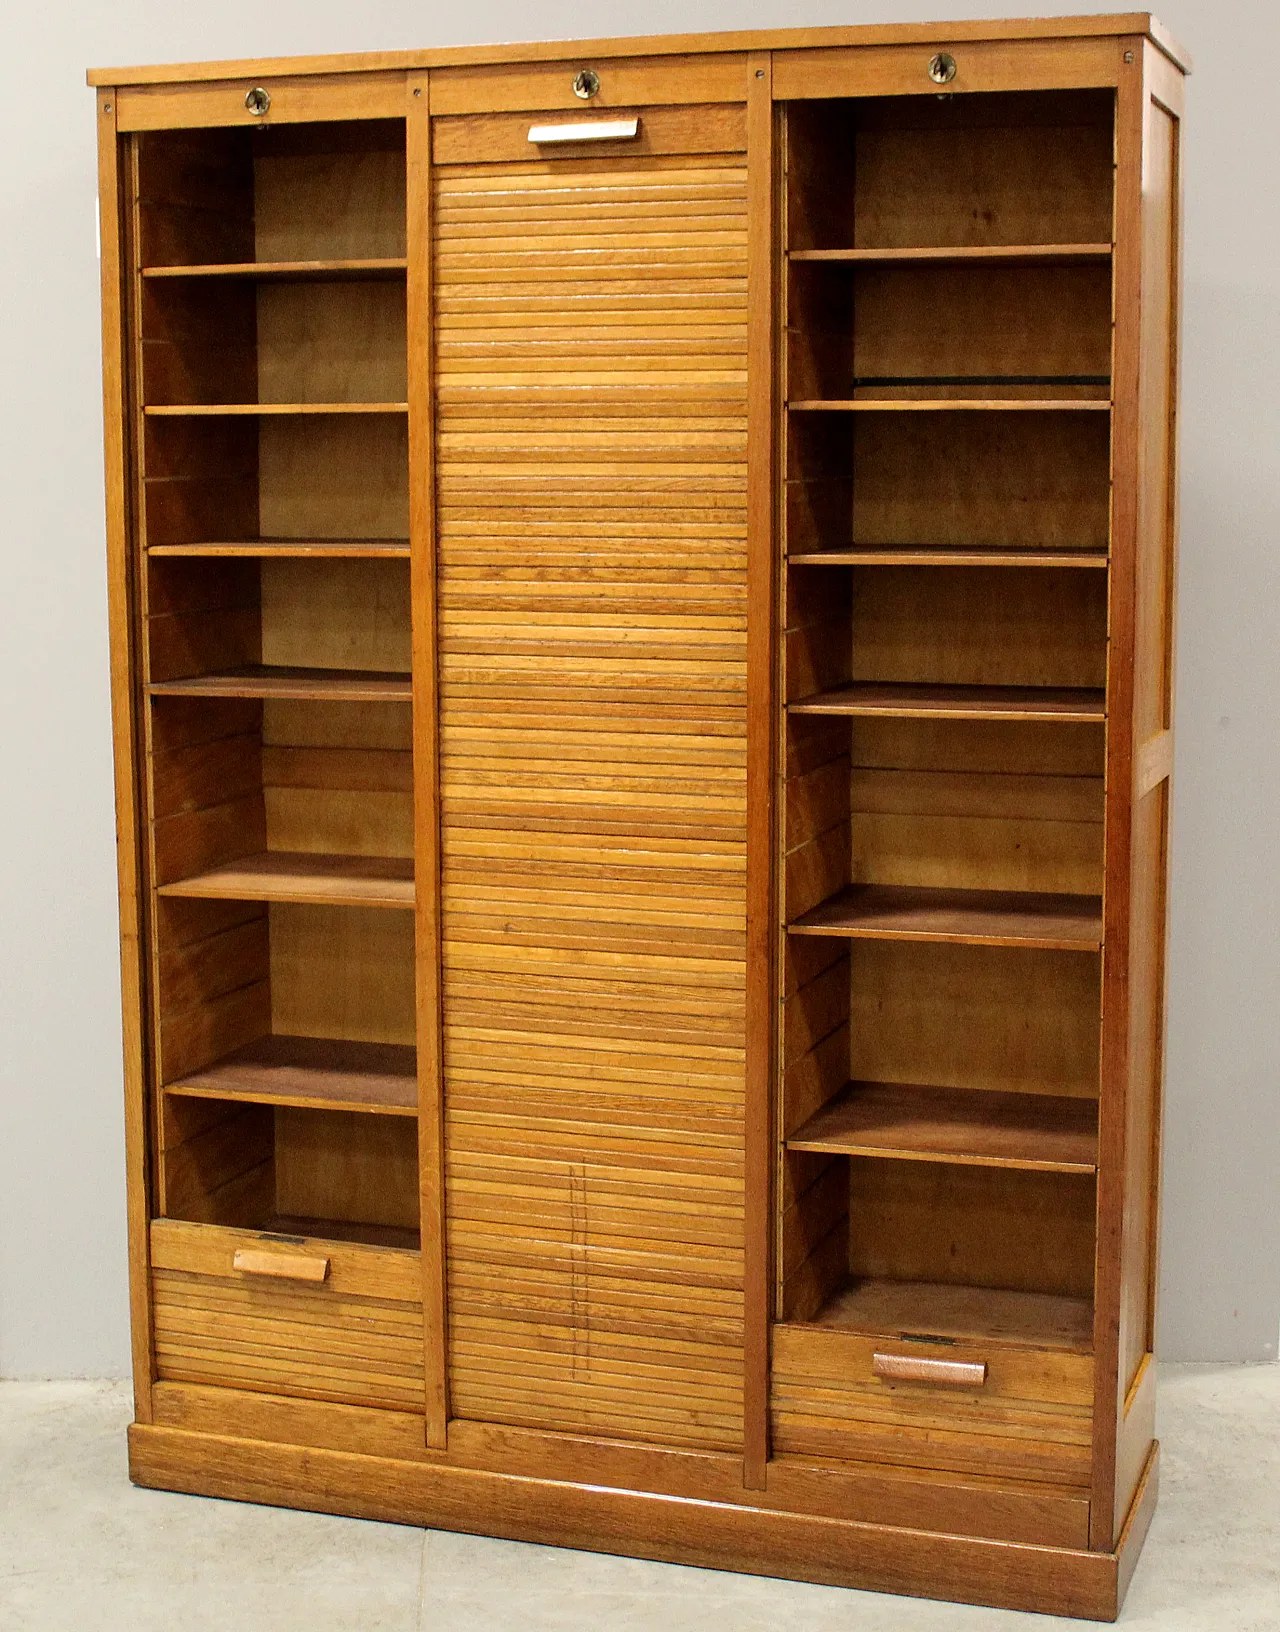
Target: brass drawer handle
pixel 593 130
pixel 284 1266
pixel 911 1368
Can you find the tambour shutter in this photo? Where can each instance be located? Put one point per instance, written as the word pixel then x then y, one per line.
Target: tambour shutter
pixel 591 474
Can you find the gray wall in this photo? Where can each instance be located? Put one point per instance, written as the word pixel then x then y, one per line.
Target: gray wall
pixel 62 1247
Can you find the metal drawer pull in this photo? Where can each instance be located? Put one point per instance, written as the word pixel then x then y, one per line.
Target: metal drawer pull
pixel 594 130
pixel 284 1266
pixel 910 1368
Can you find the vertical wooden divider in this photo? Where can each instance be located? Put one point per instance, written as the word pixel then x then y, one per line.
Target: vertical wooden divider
pixel 759 1151
pixel 1125 436
pixel 426 801
pixel 120 575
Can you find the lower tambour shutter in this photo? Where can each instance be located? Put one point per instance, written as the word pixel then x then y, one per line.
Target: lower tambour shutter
pixel 591 474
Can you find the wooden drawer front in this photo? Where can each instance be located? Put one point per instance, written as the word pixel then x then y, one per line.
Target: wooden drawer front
pixel 293 101
pixel 981 65
pixel 1030 1419
pixel 626 82
pixel 355 1337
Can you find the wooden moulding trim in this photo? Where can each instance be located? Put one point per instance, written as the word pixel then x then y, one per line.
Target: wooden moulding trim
pixel 679 1530
pixel 1117 23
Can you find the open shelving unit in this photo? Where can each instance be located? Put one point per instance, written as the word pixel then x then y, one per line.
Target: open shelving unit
pixel 270 307
pixel 946 465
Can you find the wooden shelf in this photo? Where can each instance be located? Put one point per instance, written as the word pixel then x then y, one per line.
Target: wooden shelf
pixel 284 875
pixel 875 700
pixel 955 405
pixel 320 685
pixel 1031 254
pixel 287 271
pixel 223 410
pixel 963 1314
pixel 890 912
pixel 336 548
pixel 973 1128
pixel 924 555
pixel 315 1073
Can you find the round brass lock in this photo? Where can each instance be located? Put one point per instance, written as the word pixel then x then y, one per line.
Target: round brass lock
pixel 942 68
pixel 258 101
pixel 586 84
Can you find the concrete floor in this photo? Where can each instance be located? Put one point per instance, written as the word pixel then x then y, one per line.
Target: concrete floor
pixel 82 1551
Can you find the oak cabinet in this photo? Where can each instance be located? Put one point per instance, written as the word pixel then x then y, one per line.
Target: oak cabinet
pixel 642 609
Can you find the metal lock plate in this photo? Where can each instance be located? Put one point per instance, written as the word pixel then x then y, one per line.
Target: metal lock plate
pixel 258 100
pixel 942 68
pixel 586 84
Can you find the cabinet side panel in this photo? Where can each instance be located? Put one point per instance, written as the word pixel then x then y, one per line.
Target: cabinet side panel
pixel 1138 763
pixel 124 727
pixel 591 482
pixel 1153 652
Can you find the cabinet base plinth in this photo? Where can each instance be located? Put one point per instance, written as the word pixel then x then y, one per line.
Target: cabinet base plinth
pixel 753 1540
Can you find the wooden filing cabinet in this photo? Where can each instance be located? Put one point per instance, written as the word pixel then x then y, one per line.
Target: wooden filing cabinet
pixel 642 600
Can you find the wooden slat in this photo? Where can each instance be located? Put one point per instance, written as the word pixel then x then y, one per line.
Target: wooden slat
pixel 591 543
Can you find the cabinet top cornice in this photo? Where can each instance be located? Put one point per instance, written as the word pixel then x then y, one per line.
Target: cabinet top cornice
pixel 783 39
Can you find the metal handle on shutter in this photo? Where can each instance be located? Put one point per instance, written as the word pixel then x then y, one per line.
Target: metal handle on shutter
pixel 593 130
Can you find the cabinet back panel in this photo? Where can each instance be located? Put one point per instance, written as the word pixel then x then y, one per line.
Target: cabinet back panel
pixel 330 192
pixel 334 476
pixel 958 830
pixel 336 614
pixel 972 1226
pixel 980 626
pixel 992 168
pixel 338 777
pixel 348 1167
pixel 976 1017
pixel 342 972
pixel 1026 479
pixel 331 342
pixel 902 320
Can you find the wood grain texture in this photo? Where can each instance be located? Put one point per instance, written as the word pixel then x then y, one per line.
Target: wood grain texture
pixel 362 881
pixel 354 1338
pixel 913 701
pixel 121 570
pixel 752 1540
pixel 424 626
pixel 936 1124
pixel 312 1073
pixel 663 45
pixel 591 483
pixel 1028 1417
pixel 758 1150
pixel 972 917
